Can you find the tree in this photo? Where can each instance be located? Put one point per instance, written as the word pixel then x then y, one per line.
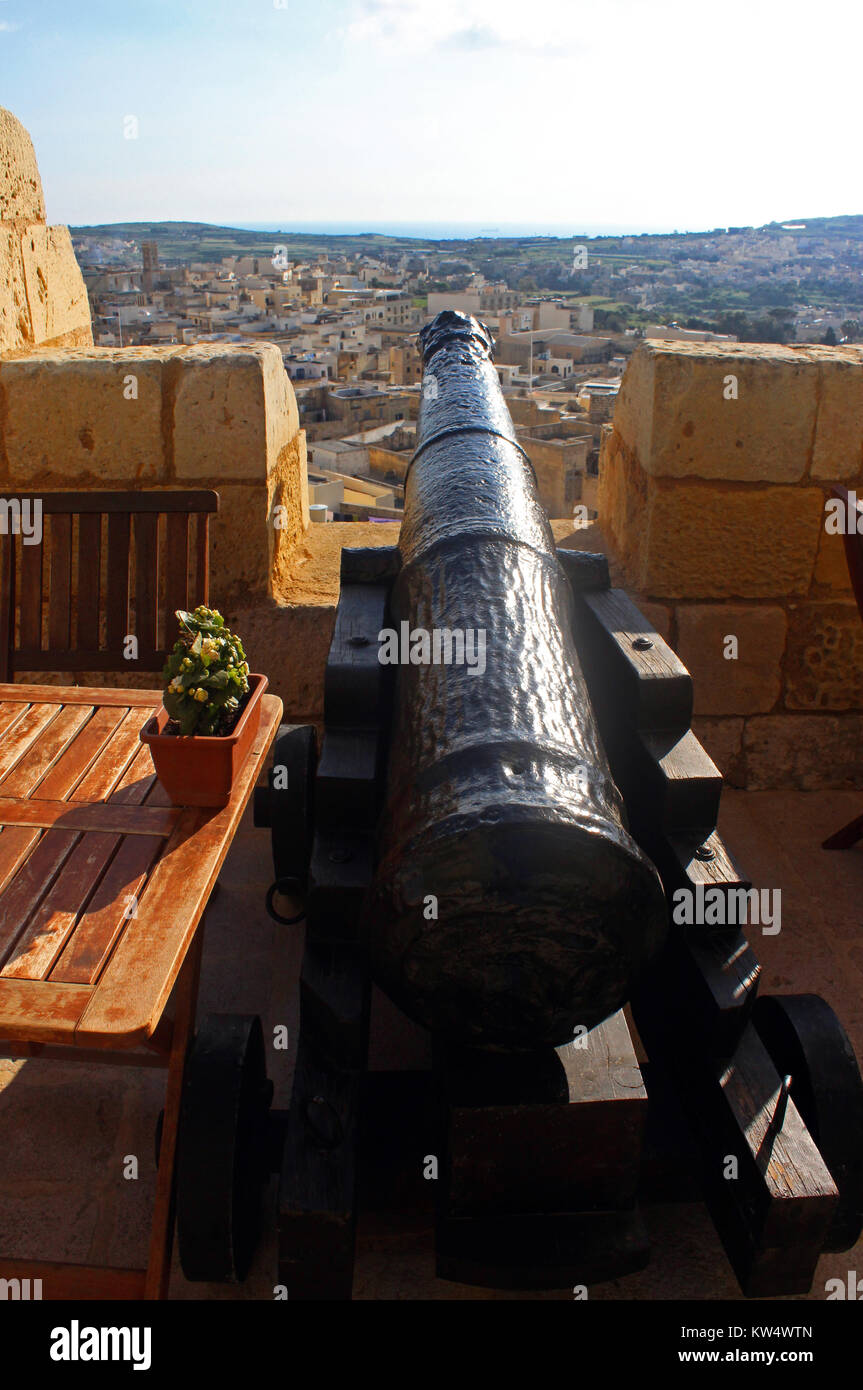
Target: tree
pixel 830 339
pixel 851 330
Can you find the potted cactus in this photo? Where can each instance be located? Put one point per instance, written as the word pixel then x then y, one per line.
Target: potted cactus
pixel 211 709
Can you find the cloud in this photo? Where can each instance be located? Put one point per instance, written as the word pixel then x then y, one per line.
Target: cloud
pixel 7 27
pixel 462 26
pixel 474 39
pixel 481 38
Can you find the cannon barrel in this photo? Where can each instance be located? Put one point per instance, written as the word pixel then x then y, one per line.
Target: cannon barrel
pixel 509 905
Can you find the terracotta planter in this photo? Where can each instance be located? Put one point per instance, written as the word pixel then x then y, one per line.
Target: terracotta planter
pixel 200 769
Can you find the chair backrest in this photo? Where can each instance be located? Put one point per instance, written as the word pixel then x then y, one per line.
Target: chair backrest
pixel 82 573
pixel 853 541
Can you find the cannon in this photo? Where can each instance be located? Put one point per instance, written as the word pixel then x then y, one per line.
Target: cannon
pixel 509 905
pixel 507 802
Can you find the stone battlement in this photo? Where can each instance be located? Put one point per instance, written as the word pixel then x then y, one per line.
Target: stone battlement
pixel 713 480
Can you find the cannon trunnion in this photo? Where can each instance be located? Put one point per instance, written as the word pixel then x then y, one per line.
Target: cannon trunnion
pixel 485 852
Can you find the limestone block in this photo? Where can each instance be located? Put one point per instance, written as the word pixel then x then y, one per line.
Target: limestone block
pixel 288 507
pixel 723 740
pixel 659 615
pixel 120 418
pixel 751 682
pixel 837 453
pixel 55 286
pixel 806 751
pixel 678 412
pixel 314 577
pixel 290 644
pixel 283 416
pixel 234 409
pixel 633 409
pixel 824 663
pixel 722 541
pixel 241 545
pixel 622 504
pixel 831 567
pixel 70 421
pixel 21 196
pixel 16 325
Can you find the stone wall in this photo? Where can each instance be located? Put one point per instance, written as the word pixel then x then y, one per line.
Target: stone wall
pixel 558 465
pixel 384 461
pixel 713 479
pixel 43 298
pixel 212 416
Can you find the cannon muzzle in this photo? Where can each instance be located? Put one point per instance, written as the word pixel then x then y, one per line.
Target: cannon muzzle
pixel 510 905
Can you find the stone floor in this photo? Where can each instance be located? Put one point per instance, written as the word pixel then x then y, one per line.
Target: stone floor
pixel 68 1129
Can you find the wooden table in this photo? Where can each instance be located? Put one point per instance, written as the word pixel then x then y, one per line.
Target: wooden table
pixel 103 885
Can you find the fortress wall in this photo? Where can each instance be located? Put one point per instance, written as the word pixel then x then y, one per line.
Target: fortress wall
pixel 212 416
pixel 713 481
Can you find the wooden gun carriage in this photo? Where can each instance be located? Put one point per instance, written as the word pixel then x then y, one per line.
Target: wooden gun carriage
pixel 536 1150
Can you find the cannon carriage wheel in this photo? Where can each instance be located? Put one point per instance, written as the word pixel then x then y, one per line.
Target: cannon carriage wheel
pixel 806 1041
pixel 223 1151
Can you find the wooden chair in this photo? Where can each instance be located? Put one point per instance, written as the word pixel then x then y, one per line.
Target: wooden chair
pixel 853 831
pixel 109 566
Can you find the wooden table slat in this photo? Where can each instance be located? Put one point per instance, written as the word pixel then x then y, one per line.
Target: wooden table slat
pixel 39 945
pixel 24 733
pixel 16 842
pixel 77 758
pixel 79 695
pixel 138 781
pixel 108 816
pixel 22 898
pixel 41 1011
pixel 112 907
pixel 111 767
pixel 11 711
pixel 41 756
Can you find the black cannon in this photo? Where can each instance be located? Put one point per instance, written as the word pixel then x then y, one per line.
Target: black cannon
pixel 500 849
pixel 509 904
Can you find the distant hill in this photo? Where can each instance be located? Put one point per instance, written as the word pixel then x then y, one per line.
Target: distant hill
pixel 184 241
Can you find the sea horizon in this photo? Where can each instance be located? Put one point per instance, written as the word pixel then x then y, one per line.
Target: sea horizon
pixel 448 231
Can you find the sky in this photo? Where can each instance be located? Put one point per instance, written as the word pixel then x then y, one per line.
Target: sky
pixel 644 114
